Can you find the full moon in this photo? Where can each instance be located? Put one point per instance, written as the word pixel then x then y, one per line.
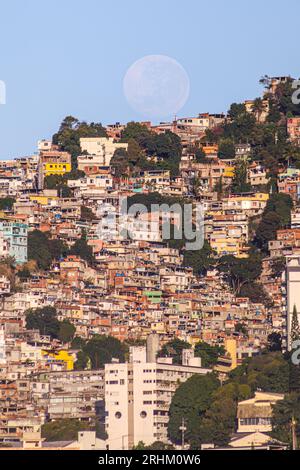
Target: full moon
pixel 156 86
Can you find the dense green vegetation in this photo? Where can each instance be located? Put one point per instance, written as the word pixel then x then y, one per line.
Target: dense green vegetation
pixel 148 150
pixel 98 351
pixel 6 203
pixel 45 320
pixel 44 250
pixel 70 132
pixel 64 430
pixel 210 408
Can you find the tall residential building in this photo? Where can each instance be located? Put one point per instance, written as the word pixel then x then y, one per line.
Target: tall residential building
pixel 138 395
pixel 16 235
pixel 2 347
pixel 293 291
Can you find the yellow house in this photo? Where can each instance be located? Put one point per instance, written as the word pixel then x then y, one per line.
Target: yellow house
pixel 158 327
pixel 229 362
pixel 228 172
pixel 60 355
pixel 228 246
pixel 56 168
pixel 42 200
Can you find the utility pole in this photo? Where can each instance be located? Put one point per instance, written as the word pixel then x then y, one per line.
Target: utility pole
pixel 294 436
pixel 182 429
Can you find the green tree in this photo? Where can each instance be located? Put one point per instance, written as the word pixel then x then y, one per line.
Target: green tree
pixel 83 250
pixel 82 361
pixel 200 260
pixel 190 401
pixel 43 319
pixel 6 203
pixel 218 423
pixel 87 214
pixel 268 372
pixel 209 354
pixel 284 412
pixel 174 349
pixel 277 215
pixel 256 293
pixel 239 272
pixel 274 342
pixel 226 149
pixel 64 429
pixel 71 131
pixel 44 250
pixel 200 156
pixel 38 249
pixel 240 181
pixel 101 350
pixel 66 331
pixel 120 162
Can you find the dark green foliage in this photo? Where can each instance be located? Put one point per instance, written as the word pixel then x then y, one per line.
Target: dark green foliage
pixel 87 215
pixel 200 156
pixel 239 272
pixel 241 328
pixel 200 260
pixel 78 342
pixel 284 412
pixel 268 372
pixel 239 182
pixel 210 409
pixel 6 203
pixel 277 215
pixel 274 342
pixel 66 331
pixel 59 183
pixel 44 250
pixel 82 361
pixel 101 350
pixel 226 149
pixel 256 293
pixel 70 132
pixel 165 147
pixel 83 250
pixel 64 430
pixel 174 349
pixel 209 354
pixel 219 420
pixel 155 446
pixel 120 162
pixel 45 320
pixel 191 400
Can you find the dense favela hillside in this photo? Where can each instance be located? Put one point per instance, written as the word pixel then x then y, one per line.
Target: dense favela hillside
pixel 114 333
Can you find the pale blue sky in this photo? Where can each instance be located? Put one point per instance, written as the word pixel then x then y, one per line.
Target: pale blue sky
pixel 61 57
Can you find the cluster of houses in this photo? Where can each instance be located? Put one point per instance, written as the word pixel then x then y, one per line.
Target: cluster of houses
pixel 137 288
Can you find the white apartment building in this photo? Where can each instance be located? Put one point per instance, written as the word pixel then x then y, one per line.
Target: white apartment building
pixel 138 395
pixel 2 347
pixel 200 123
pixel 293 291
pixel 98 181
pixel 100 151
